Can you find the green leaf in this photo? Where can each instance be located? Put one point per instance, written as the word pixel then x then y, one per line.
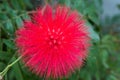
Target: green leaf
pixel 112 77
pixel 6 5
pixel 61 1
pixel 79 5
pixel 104 57
pixel 3 17
pixel 26 16
pixel 22 4
pixel 88 77
pixel 97 75
pixel 94 18
pixel 6 24
pixel 93 35
pixel 2 65
pixel 9 43
pixel 19 22
pixel 4 55
pixel 68 2
pixel 89 10
pixel 9 27
pixel 6 77
pixel 98 4
pixel 28 3
pixel 17 72
pixel 15 4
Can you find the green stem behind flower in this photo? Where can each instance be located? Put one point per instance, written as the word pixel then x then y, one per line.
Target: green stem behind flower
pixel 2 74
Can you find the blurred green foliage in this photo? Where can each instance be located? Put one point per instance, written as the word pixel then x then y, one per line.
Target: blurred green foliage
pixel 103 61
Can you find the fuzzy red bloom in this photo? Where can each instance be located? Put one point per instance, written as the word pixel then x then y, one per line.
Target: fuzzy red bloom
pixel 54 43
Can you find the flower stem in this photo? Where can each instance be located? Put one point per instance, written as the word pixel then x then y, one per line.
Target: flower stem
pixel 8 67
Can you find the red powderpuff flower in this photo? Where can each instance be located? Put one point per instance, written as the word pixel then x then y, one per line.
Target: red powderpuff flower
pixel 54 43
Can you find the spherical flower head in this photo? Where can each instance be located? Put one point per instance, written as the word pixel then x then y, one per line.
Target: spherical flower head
pixel 54 43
